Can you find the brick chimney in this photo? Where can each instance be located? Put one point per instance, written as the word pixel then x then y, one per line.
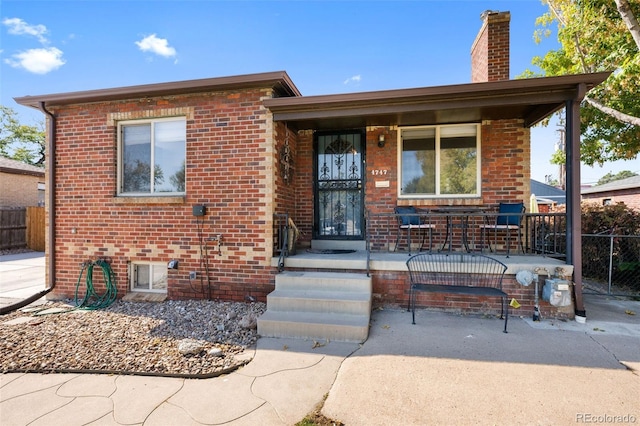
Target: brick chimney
pixel 490 50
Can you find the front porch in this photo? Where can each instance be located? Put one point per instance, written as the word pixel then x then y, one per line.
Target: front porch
pixel 390 285
pixel 537 246
pixel 330 294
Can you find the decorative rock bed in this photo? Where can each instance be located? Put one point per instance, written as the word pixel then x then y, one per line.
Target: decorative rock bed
pixel 131 338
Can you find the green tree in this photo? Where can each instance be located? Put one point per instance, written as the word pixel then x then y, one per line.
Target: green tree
pixel 137 176
pixel 458 171
pixel 610 177
pixel 425 183
pixel 177 179
pixel 21 142
pixel 599 35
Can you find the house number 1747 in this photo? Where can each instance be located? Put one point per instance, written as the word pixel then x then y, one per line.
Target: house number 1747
pixel 379 172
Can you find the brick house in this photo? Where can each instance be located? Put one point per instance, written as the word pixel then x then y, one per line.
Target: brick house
pixel 21 184
pixel 196 172
pixel 625 191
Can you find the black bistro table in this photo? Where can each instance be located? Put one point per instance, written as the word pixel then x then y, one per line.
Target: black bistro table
pixel 458 217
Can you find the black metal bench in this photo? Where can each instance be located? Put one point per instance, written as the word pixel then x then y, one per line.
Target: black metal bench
pixel 457 273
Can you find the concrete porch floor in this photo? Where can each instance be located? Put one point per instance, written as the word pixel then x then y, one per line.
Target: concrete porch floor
pixel 389 261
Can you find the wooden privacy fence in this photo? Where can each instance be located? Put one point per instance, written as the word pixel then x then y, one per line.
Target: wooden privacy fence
pixel 35 228
pixel 22 227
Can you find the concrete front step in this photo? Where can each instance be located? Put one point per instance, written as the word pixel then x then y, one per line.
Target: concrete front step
pixel 318 305
pixel 314 326
pixel 346 302
pixel 338 245
pixel 326 281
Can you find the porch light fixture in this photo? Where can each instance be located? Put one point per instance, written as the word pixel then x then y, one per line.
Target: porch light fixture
pixel 381 140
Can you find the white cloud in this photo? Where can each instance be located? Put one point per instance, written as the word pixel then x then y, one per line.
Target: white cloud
pixel 38 61
pixel 17 26
pixel 159 46
pixel 355 79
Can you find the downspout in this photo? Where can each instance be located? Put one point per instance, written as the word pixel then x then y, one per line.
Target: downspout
pixel 51 132
pixel 574 219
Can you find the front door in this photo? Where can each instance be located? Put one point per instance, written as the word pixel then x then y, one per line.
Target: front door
pixel 339 196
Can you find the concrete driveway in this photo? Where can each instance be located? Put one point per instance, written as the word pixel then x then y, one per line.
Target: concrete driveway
pixel 21 275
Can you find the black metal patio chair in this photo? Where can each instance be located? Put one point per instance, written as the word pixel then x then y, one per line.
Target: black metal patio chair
pixel 410 218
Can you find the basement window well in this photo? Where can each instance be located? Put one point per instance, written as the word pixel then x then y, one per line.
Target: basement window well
pixel 149 277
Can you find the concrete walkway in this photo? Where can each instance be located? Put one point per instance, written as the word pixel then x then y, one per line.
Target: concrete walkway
pixel 447 369
pixel 282 384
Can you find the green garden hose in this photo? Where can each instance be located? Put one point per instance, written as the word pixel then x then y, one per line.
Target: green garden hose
pixel 91 299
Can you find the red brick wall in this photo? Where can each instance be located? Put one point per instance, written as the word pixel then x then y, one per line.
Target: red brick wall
pixel 382 167
pixel 630 197
pixel 392 289
pixel 505 170
pixel 229 170
pixel 304 187
pixel 233 168
pixel 284 175
pixel 506 154
pixel 505 176
pixel 285 189
pixel 379 160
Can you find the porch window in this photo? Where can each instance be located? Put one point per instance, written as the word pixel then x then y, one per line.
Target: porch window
pixel 151 156
pixel 151 277
pixel 439 161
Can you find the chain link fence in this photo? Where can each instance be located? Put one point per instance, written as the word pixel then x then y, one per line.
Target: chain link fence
pixel 611 264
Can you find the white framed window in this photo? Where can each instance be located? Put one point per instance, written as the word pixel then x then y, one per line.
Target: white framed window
pixel 439 161
pixel 148 277
pixel 151 156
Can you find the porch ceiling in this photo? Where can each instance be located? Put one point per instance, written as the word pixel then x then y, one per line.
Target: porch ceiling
pixel 529 99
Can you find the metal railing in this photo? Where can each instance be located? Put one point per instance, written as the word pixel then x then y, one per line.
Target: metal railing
pixel 281 238
pixel 611 263
pixel 539 234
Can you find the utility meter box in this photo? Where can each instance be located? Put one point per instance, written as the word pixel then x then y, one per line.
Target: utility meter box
pixel 199 210
pixel 557 292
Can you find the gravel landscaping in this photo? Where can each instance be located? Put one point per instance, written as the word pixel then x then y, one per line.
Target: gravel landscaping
pixel 173 338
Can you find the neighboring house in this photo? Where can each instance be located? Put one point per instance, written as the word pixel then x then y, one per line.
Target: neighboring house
pixel 149 174
pixel 548 196
pixel 625 191
pixel 21 184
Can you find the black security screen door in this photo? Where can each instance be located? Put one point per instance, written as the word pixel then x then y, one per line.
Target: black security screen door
pixel 339 167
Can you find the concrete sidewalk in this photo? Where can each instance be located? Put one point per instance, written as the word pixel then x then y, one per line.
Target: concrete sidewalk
pixel 446 369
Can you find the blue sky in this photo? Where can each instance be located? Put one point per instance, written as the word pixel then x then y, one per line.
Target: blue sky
pixel 326 47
